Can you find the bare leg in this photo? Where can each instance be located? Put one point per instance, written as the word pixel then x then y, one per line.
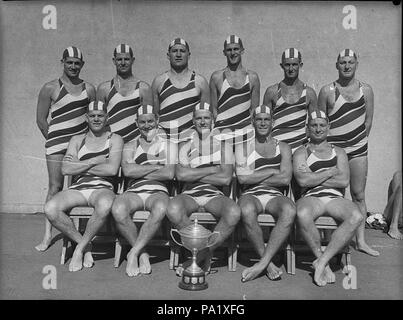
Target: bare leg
pixel 101 200
pixel 54 164
pixel 347 212
pixel 395 202
pixel 358 180
pixel 122 208
pixel 283 209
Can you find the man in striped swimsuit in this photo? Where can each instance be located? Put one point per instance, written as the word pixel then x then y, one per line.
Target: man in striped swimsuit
pixel 93 159
pixel 124 94
pixel 321 169
pixel 234 92
pixel 177 91
pixel 290 100
pixel 205 166
pixel 349 104
pixel 148 163
pixel 264 170
pixel 66 99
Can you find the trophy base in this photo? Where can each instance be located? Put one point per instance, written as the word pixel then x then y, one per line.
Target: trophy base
pixel 193 281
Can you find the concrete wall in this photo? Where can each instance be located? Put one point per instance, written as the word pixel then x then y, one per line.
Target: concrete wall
pixel 31 56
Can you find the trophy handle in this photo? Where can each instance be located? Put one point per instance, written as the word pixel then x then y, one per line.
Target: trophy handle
pixel 173 238
pixel 215 239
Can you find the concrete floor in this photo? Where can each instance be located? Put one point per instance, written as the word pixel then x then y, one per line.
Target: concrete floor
pixel 22 273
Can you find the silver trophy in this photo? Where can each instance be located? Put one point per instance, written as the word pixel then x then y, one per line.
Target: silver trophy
pixel 194 237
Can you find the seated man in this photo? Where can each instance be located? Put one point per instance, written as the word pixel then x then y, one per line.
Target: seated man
pixel 93 158
pixel 264 170
pixel 393 209
pixel 148 163
pixel 205 166
pixel 322 171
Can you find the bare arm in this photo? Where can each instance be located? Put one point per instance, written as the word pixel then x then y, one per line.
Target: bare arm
pixel 91 91
pixel 203 85
pixel 323 98
pixel 311 99
pixel 43 107
pixel 304 176
pixel 224 173
pixel 146 94
pixel 110 166
pixel 102 91
pixel 167 171
pixel 342 178
pixel 283 177
pixel 269 96
pixel 155 88
pixel 369 103
pixel 255 94
pixel 214 93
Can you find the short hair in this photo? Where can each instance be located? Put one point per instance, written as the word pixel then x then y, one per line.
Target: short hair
pixel 291 53
pixel 96 106
pixel 233 39
pixel 347 53
pixel 72 52
pixel 123 48
pixel 178 41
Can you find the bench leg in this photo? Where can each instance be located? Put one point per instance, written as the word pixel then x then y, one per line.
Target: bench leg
pixel 64 250
pixel 118 253
pixel 232 254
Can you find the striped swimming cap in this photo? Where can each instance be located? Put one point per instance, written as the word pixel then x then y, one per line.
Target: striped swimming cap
pixel 346 53
pixel 123 48
pixel 72 52
pixel 96 106
pixel 202 106
pixel 148 109
pixel 262 109
pixel 291 53
pixel 233 39
pixel 318 114
pixel 178 41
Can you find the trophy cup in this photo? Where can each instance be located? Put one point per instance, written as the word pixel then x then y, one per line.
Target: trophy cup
pixel 194 238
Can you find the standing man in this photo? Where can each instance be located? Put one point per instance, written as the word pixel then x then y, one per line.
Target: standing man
pixel 66 99
pixel 93 159
pixel 148 162
pixel 205 166
pixel 124 94
pixel 321 169
pixel 349 104
pixel 177 91
pixel 290 100
pixel 264 170
pixel 234 91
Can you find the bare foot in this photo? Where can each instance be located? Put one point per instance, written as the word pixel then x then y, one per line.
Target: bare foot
pixel 88 260
pixel 253 272
pixel 395 234
pixel 273 272
pixel 132 267
pixel 319 274
pixel 328 274
pixel 44 245
pixel 144 261
pixel 76 263
pixel 363 247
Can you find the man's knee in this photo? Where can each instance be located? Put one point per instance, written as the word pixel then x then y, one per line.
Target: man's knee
pixel 358 195
pixel 120 211
pixel 159 210
pixel 356 217
pixel 304 215
pixel 103 206
pixel 248 213
pixel 51 210
pixel 232 214
pixel 288 213
pixel 175 210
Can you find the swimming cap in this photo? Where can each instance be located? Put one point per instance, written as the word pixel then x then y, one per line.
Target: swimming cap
pixel 148 109
pixel 72 52
pixel 204 106
pixel 96 106
pixel 123 48
pixel 318 114
pixel 262 109
pixel 346 53
pixel 178 41
pixel 291 53
pixel 233 39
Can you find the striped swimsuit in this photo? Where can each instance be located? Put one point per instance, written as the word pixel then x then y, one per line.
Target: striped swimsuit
pixel 67 118
pixel 261 191
pixel 176 107
pixel 87 183
pixel 347 125
pixel 143 187
pixel 122 112
pixel 203 192
pixel 316 165
pixel 233 106
pixel 290 119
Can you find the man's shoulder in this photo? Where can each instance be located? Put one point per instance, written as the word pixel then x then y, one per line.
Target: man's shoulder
pixel 327 88
pixel 253 75
pixel 272 89
pixel 365 86
pixel 77 138
pixel 51 85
